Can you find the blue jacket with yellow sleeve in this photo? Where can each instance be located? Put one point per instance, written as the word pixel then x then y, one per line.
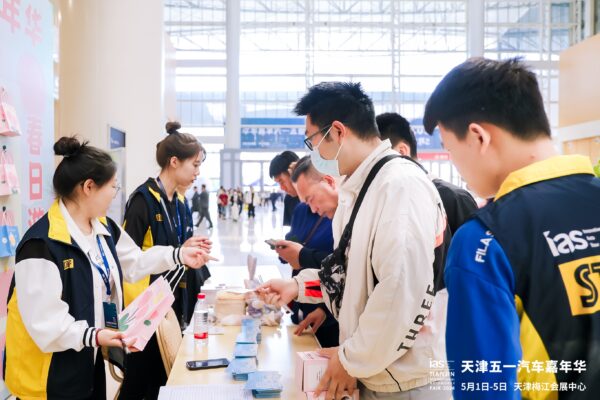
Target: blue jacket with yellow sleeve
pixel 523 278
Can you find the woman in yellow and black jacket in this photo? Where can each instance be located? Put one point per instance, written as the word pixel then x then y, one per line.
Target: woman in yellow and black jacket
pixel 68 282
pixel 156 215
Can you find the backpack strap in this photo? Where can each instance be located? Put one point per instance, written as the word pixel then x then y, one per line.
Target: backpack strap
pixel 347 233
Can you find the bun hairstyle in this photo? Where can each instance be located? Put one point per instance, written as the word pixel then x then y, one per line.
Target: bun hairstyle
pixel 172 127
pixel 177 144
pixel 80 162
pixel 68 146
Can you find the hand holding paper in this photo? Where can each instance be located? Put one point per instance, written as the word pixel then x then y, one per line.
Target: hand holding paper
pixel 139 321
pixel 278 291
pixel 110 338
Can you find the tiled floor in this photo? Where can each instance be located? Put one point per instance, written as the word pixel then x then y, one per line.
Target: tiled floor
pixel 233 241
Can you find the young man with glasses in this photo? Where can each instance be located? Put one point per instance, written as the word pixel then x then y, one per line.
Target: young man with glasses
pixel 391 323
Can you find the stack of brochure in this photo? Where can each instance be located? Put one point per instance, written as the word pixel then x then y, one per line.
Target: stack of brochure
pixel 241 367
pixel 245 352
pixel 264 384
pixel 251 326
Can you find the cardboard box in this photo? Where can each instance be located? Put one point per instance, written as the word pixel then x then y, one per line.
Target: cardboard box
pixel 229 304
pixel 310 368
pixel 311 396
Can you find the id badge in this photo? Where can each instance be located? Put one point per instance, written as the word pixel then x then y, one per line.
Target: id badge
pixel 110 315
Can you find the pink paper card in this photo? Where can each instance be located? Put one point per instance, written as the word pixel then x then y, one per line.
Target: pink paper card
pixel 140 319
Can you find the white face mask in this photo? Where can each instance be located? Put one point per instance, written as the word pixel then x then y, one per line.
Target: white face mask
pixel 327 167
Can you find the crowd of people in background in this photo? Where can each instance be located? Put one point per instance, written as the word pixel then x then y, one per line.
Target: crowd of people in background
pixel 232 203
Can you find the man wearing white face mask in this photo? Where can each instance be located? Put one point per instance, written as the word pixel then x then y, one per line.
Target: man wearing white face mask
pixel 378 283
pixel 327 167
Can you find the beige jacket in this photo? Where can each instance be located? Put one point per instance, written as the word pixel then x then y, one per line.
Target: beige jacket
pixel 391 331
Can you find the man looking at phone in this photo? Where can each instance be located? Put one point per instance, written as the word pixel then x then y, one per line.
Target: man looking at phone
pixel 309 240
pixel 319 192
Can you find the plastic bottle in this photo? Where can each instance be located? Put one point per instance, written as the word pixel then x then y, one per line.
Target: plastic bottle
pixel 201 321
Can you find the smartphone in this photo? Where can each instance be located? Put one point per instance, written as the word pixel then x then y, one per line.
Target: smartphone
pixel 271 243
pixel 207 364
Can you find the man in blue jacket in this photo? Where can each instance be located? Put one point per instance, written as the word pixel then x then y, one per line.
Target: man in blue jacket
pixel 523 275
pixel 309 240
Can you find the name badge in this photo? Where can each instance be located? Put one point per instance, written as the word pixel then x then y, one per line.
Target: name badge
pixel 110 315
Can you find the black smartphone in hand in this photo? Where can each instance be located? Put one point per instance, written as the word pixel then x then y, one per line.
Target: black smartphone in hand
pixel 271 243
pixel 207 364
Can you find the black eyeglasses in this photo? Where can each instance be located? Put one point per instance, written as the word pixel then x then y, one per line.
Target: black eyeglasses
pixel 308 142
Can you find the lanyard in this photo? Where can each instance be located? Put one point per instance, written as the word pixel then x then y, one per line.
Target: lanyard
pixel 172 222
pixel 178 224
pixel 104 272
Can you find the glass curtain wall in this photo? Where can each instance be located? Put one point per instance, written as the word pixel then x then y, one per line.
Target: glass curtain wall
pixel 397 49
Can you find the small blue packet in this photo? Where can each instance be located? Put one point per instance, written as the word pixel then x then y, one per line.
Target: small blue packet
pixel 250 323
pixel 245 337
pixel 245 350
pixel 266 394
pixel 241 367
pixel 264 382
